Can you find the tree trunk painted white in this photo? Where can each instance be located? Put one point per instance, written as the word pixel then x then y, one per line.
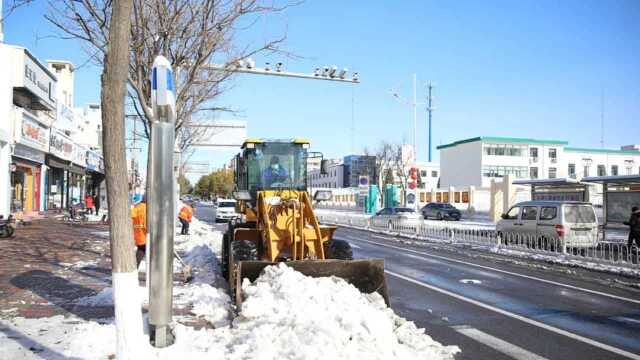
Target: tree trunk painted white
pixel 130 340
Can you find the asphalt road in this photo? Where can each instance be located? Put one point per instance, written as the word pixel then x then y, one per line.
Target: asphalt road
pixel 498 309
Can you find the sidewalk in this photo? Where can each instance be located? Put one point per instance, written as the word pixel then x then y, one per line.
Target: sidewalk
pixel 49 264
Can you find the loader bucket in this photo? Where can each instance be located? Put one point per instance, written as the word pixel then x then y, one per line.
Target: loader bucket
pixel 366 275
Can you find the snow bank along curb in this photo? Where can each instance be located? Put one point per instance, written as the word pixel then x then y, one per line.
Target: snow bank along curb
pixel 561 259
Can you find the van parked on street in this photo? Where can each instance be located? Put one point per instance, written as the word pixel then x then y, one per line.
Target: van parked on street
pixel 572 224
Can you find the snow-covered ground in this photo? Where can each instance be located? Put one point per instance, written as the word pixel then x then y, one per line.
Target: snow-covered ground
pixel 285 315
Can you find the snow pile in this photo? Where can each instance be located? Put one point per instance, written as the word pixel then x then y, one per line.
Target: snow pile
pixel 287 314
pixel 208 302
pixel 105 297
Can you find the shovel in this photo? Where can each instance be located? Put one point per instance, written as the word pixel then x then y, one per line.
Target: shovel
pixel 187 270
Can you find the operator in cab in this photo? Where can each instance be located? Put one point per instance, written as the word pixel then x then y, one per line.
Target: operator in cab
pixel 275 173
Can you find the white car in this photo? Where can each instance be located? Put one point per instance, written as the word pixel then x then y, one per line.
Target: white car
pixel 396 218
pixel 226 210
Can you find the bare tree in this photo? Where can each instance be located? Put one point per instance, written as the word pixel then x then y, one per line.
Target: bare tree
pixel 190 33
pixel 401 168
pixel 128 312
pixel 384 157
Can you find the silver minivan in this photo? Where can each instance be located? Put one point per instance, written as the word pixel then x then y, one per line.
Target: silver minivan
pixel 572 224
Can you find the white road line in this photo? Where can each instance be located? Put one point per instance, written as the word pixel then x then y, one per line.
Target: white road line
pixel 500 345
pixel 355 246
pixel 519 317
pixel 507 272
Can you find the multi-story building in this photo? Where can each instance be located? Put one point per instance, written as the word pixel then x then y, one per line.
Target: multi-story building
pixel 334 178
pixel 356 166
pixel 476 161
pixel 28 103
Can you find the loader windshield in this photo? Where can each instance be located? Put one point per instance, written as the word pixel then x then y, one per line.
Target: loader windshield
pixel 272 166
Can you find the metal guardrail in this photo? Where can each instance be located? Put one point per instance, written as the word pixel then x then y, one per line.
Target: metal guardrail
pixel 605 252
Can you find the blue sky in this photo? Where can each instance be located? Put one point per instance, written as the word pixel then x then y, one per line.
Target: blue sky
pixel 504 68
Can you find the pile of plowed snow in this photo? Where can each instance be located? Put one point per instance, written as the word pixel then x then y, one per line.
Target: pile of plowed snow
pixel 288 315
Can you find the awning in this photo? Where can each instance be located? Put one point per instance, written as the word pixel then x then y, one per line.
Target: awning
pixel 76 169
pixel 618 180
pixel 548 182
pixel 57 163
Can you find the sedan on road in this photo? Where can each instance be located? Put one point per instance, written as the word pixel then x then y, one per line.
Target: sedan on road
pixel 394 217
pixel 441 211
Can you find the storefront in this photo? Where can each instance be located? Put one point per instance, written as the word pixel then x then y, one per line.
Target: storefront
pixel 58 163
pixel 76 175
pixel 26 177
pixel 95 175
pixel 32 141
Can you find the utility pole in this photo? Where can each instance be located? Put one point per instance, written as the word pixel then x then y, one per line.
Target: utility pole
pixel 1 23
pixel 415 117
pixel 430 110
pixel 602 117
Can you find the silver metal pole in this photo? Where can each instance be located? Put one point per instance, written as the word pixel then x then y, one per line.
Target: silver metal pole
pixel 355 78
pixel 161 203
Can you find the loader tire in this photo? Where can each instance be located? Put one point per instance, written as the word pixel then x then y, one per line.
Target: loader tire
pixel 338 249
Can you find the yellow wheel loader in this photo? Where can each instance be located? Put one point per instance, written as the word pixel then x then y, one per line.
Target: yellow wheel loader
pixel 277 222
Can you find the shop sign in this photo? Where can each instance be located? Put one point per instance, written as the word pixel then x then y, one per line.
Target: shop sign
pixel 28 153
pixel 79 155
pixel 38 81
pixel 60 145
pixel 94 161
pixel 34 134
pixel 66 117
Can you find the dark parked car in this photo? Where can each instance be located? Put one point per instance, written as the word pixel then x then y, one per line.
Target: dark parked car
pixel 441 211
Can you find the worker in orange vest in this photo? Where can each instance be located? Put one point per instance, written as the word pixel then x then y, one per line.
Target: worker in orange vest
pixel 139 219
pixel 186 214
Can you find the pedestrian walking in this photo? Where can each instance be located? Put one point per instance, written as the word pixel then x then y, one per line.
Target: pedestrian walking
pixel 139 219
pixel 96 203
pixel 634 227
pixel 186 214
pixel 88 203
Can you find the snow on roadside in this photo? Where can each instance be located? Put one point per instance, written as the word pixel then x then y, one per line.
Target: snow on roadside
pixel 286 315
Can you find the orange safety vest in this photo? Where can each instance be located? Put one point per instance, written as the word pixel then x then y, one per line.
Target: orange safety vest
pixel 186 213
pixel 139 219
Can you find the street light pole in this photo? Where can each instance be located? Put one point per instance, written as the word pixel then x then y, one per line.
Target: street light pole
pixel 248 67
pixel 161 201
pixel 429 110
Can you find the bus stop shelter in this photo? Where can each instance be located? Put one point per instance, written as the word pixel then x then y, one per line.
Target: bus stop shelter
pixel 619 194
pixel 561 189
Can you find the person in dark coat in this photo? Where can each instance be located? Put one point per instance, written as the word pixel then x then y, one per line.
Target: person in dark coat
pixel 96 203
pixel 634 227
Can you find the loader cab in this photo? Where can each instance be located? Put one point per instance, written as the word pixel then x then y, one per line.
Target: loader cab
pixel 272 165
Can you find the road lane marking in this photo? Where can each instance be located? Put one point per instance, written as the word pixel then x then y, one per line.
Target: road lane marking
pixel 497 344
pixel 626 320
pixel 519 317
pixel 507 272
pixel 355 246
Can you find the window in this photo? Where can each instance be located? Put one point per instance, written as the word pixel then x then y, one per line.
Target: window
pixel 533 172
pixel 529 213
pixel 533 153
pixel 553 155
pixel 520 172
pixel 614 170
pixel 553 172
pixel 572 171
pixel 423 173
pixel 602 171
pixel 579 214
pixel 629 170
pixel 434 174
pixel 504 150
pixel 548 213
pixel 513 213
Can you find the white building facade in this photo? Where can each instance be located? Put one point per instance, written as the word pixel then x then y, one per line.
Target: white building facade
pixel 476 161
pixel 333 179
